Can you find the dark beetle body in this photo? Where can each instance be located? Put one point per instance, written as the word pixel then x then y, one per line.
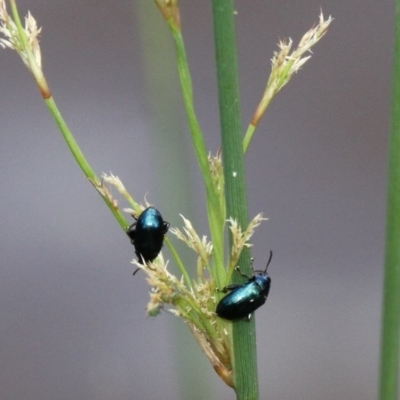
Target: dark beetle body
pixel 244 299
pixel 147 234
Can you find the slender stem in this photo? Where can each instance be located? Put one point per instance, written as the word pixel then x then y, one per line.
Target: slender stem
pixel 179 262
pixel 81 160
pixel 215 215
pixel 391 298
pixel 52 106
pixel 244 357
pixel 248 137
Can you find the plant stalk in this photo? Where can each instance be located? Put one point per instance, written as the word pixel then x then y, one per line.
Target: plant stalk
pixel 244 356
pixel 391 298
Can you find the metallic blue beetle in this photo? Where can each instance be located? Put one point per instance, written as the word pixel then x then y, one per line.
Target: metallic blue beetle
pixel 244 299
pixel 147 234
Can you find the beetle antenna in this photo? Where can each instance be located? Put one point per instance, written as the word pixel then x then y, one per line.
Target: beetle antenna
pixel 269 260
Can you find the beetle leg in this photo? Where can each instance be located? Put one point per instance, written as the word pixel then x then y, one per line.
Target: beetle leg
pixel 142 261
pixel 229 288
pixel 165 227
pixel 130 231
pixel 241 273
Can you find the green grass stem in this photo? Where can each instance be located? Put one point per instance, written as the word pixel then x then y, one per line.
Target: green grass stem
pixel 81 159
pixel 244 356
pixel 391 298
pixel 215 215
pixel 51 105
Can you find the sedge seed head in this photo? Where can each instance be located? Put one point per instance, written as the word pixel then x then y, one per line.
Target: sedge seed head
pixel 12 39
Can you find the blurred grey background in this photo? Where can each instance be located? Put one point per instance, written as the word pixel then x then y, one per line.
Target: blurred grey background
pixel 73 322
